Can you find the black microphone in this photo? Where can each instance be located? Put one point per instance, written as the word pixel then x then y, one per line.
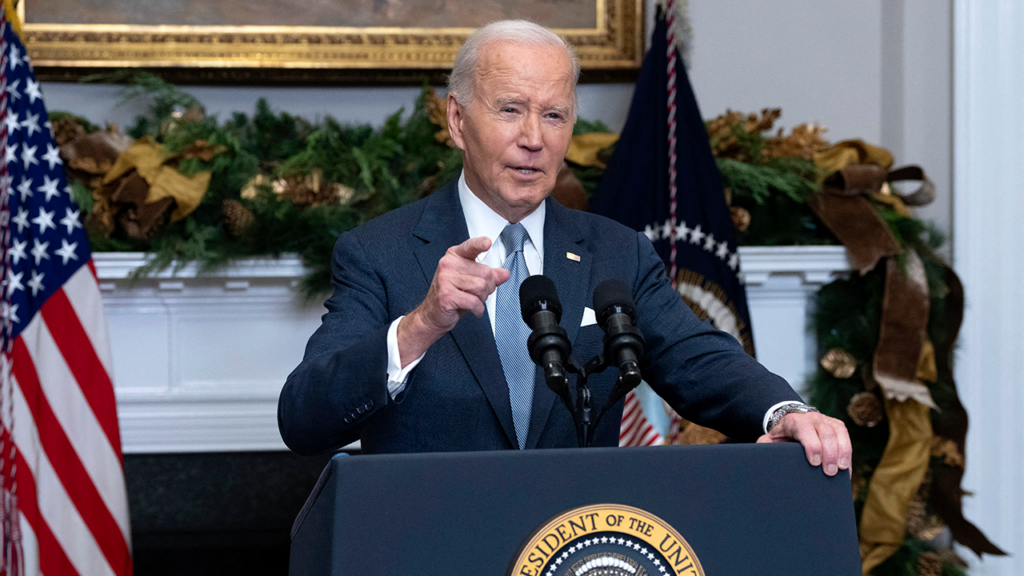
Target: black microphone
pixel 548 344
pixel 623 342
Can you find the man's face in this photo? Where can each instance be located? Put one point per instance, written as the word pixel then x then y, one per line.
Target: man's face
pixel 517 129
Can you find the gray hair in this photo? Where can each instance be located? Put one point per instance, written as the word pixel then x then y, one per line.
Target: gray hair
pixel 463 75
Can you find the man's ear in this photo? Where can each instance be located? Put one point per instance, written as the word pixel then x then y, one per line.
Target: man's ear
pixel 455 117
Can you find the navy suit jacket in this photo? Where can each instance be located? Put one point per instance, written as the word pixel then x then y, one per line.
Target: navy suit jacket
pixel 457 398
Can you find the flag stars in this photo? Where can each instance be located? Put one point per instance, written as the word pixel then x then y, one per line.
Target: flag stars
pixel 666 229
pixel 709 243
pixel 15 58
pixel 734 261
pixel 652 233
pixel 31 123
pixel 52 156
pixel 17 251
pixel 10 312
pixel 71 220
pixel 39 250
pixel 12 123
pixel 70 191
pixel 696 236
pixel 12 90
pixel 49 187
pixel 21 219
pixel 32 91
pixel 682 231
pixel 36 283
pixel 28 156
pixel 723 250
pixel 44 220
pixel 10 152
pixel 14 282
pixel 67 251
pixel 25 189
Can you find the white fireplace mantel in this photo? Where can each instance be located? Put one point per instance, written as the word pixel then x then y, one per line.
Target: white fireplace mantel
pixel 199 359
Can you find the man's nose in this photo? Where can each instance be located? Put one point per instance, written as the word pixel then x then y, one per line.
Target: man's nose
pixel 530 136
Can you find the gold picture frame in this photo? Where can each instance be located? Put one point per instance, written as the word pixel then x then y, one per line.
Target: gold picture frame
pixel 610 49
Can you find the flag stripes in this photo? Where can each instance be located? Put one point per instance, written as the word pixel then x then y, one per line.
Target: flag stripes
pixel 86 369
pixel 635 429
pixel 69 469
pixel 82 291
pixel 72 410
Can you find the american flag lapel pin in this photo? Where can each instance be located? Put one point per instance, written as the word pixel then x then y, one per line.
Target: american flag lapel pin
pixel 573 257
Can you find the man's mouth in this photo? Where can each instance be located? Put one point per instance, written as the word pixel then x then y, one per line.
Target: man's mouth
pixel 524 170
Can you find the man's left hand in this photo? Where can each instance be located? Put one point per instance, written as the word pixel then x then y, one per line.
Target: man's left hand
pixel 825 440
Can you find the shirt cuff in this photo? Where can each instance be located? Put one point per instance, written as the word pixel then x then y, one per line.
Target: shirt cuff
pixel 768 414
pixel 397 376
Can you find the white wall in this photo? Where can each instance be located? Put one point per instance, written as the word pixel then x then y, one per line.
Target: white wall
pixel 878 70
pixel 988 248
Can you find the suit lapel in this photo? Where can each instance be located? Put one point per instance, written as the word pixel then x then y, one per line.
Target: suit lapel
pixel 441 226
pixel 562 238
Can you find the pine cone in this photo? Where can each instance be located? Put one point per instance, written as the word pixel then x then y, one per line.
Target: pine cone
pixel 740 218
pixel 920 524
pixel 237 218
pixel 929 564
pixel 865 409
pixel 949 556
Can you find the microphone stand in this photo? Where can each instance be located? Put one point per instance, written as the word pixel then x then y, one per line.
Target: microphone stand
pixel 583 413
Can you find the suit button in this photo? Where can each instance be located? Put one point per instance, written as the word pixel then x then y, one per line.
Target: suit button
pixel 369 404
pixel 361 409
pixel 347 420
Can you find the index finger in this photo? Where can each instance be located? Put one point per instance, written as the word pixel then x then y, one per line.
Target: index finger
pixel 472 248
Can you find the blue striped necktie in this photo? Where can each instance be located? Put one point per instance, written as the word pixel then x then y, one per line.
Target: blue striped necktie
pixel 511 333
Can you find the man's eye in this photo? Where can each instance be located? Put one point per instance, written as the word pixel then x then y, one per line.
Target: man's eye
pixel 509 110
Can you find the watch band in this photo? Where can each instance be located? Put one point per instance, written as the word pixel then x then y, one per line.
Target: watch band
pixel 787 409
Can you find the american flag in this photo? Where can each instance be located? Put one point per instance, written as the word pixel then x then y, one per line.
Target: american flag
pixel 635 429
pixel 64 509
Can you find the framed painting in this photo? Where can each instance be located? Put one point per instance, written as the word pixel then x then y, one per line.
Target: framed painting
pixel 309 40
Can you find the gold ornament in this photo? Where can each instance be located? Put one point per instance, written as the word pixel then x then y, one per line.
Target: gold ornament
pixel 839 363
pixel 865 409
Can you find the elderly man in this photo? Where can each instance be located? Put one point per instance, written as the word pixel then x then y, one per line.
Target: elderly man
pixel 399 363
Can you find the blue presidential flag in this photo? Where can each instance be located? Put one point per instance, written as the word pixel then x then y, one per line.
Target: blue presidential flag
pixel 662 180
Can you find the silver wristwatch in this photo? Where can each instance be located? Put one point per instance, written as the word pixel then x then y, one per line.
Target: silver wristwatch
pixel 787 409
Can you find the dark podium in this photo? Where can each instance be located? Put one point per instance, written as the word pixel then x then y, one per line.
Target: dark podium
pixel 742 509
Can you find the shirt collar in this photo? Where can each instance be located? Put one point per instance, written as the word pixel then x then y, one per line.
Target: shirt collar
pixel 482 221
